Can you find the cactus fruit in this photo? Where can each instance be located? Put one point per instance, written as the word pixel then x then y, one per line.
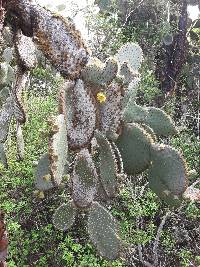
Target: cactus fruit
pixel 103 232
pixel 84 179
pixel 64 216
pixel 58 148
pixel 110 110
pixel 43 178
pixel 20 142
pixel 131 54
pixel 160 122
pixel 167 173
pixel 134 145
pixel 98 74
pixel 3 158
pixel 25 50
pixel 81 115
pixel 107 165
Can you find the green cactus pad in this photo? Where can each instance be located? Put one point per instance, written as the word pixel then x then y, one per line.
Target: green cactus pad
pixel 134 144
pixel 25 50
pixel 134 112
pixel 103 232
pixel 58 148
pixel 107 165
pixel 84 179
pixel 20 142
pixel 64 216
pixel 80 114
pixel 167 174
pixel 150 131
pixel 160 122
pixel 43 178
pixel 110 110
pixel 132 54
pixel 3 158
pixel 98 74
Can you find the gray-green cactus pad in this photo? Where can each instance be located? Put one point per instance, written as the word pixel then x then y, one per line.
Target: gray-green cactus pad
pixel 103 232
pixel 134 144
pixel 167 173
pixel 43 178
pixel 107 165
pixel 64 216
pixel 134 112
pixel 84 179
pixel 98 73
pixel 6 114
pixel 3 158
pixel 80 114
pixel 26 51
pixel 110 110
pixel 160 122
pixel 58 148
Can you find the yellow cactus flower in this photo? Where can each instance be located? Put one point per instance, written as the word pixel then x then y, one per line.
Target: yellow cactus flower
pixel 101 97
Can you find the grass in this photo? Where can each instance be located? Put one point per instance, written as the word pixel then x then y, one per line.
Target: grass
pixel 35 242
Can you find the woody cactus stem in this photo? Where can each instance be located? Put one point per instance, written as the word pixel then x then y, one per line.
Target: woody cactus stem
pixel 2 16
pixel 57 37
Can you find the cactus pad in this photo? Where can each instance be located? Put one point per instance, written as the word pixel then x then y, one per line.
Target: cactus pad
pixel 160 122
pixel 110 110
pixel 132 54
pixel 134 112
pixel 103 232
pixel 25 51
pixel 3 158
pixel 58 148
pixel 167 173
pixel 64 216
pixel 134 144
pixel 81 115
pixel 107 165
pixel 5 117
pixel 98 74
pixel 60 42
pixel 43 178
pixel 84 179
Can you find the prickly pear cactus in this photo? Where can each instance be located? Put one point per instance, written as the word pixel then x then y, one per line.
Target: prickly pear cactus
pixel 107 165
pixel 103 232
pixel 96 104
pixel 167 173
pixel 64 216
pixel 84 179
pixel 134 144
pixel 43 180
pixel 98 74
pixel 58 148
pixel 3 158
